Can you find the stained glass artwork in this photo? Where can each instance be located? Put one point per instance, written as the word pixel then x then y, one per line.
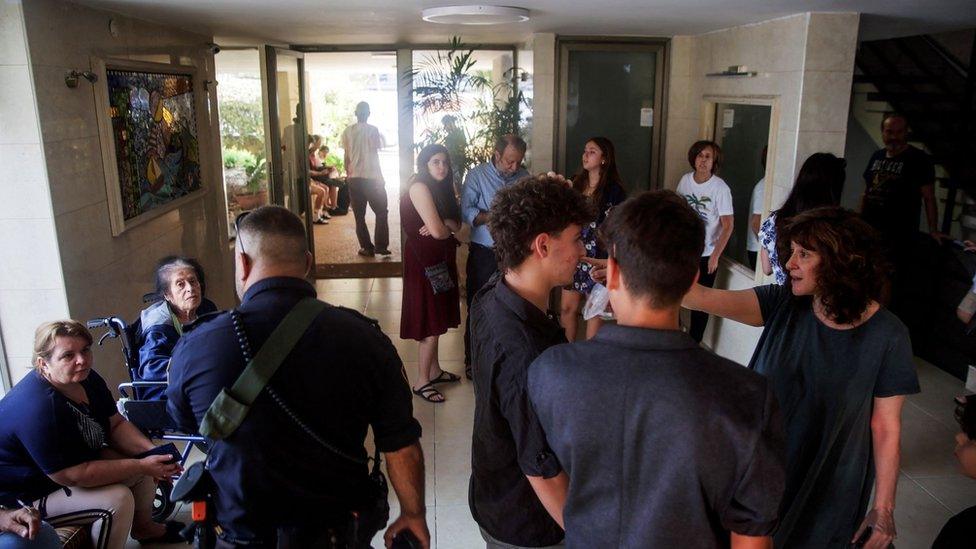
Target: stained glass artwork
pixel 155 133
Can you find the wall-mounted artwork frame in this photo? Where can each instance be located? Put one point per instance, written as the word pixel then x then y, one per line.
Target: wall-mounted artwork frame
pixel 150 138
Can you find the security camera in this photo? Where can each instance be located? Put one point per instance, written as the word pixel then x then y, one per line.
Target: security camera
pixel 214 48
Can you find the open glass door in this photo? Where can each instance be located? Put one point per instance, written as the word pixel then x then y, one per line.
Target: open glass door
pixel 284 78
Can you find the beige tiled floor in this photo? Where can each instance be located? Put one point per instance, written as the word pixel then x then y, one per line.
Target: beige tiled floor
pixel 930 487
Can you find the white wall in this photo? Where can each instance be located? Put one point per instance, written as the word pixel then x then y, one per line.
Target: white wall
pixel 103 274
pixel 805 67
pixel 31 282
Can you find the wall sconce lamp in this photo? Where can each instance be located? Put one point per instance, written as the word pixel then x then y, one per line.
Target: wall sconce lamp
pixel 71 79
pixel 734 70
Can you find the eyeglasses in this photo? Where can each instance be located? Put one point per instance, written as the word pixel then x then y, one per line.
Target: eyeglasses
pixel 237 229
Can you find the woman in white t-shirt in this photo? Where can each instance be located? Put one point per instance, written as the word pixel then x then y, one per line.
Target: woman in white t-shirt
pixel 710 196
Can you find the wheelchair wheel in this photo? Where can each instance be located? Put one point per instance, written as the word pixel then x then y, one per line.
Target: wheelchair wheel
pixel 163 505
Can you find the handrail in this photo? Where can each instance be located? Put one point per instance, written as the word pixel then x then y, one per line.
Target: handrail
pixel 948 57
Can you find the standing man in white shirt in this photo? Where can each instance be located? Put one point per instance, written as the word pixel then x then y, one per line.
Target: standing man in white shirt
pixel 361 143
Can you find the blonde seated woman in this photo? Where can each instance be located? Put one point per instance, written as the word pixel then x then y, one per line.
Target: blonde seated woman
pixel 66 451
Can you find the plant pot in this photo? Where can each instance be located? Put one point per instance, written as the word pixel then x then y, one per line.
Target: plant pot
pixel 249 201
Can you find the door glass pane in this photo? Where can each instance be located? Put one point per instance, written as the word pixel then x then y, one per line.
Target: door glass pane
pixel 466 118
pixel 743 132
pixel 242 139
pixel 291 184
pixel 336 83
pixel 607 91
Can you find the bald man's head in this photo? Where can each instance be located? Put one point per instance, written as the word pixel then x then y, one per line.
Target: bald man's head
pixel 273 237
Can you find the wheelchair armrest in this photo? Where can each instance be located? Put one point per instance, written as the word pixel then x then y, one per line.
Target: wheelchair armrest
pixel 124 388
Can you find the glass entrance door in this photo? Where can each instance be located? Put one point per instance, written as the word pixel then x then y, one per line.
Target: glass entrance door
pixel 612 90
pixel 287 136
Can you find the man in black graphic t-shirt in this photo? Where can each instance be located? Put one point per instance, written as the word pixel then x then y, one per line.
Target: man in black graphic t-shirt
pixel 897 179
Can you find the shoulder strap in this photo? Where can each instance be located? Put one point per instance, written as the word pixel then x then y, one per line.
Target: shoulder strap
pixel 278 345
pixel 228 410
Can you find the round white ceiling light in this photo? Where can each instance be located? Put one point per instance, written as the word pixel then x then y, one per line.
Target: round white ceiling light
pixel 475 15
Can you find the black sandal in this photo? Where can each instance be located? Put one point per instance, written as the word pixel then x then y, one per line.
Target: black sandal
pixel 445 377
pixel 428 392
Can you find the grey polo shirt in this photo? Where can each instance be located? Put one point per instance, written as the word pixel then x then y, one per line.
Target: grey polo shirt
pixel 665 444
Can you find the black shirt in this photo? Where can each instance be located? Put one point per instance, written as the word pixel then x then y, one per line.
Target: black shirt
pixel 507 334
pixel 343 376
pixel 892 192
pixel 665 444
pixel 43 432
pixel 959 532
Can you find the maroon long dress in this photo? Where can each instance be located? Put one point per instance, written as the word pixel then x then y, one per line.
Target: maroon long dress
pixel 425 314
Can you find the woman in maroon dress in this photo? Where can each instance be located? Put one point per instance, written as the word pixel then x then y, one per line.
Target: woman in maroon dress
pixel 430 216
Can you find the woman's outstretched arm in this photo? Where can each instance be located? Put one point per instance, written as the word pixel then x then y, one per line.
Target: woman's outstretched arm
pixel 738 305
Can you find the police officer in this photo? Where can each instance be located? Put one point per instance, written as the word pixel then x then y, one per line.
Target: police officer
pixel 275 477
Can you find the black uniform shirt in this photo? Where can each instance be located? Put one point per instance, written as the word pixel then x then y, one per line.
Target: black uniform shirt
pixel 665 444
pixel 507 334
pixel 342 376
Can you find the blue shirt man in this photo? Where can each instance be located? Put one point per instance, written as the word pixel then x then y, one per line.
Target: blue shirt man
pixel 480 187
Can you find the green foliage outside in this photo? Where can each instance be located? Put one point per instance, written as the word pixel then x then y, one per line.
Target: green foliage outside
pixel 441 84
pixel 256 172
pixel 242 126
pixel 236 158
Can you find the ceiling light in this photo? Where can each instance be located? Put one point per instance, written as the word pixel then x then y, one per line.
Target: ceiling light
pixel 475 15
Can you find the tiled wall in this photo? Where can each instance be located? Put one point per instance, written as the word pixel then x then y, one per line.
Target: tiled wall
pixel 805 65
pixel 106 274
pixel 31 283
pixel 543 106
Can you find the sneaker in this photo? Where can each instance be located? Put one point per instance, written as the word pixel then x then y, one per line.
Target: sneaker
pixel 384 251
pixel 321 221
pixel 326 216
pixel 366 253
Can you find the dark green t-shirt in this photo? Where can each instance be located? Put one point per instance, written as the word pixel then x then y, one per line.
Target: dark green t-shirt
pixel 826 381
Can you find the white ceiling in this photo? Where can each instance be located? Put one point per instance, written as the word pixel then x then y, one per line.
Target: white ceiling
pixel 398 21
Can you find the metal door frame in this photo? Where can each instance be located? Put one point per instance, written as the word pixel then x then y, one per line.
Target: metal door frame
pixel 277 187
pixel 660 46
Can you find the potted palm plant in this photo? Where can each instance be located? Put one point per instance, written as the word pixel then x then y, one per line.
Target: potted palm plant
pixel 447 83
pixel 254 192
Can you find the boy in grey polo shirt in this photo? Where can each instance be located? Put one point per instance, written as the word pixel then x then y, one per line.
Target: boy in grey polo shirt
pixel 665 444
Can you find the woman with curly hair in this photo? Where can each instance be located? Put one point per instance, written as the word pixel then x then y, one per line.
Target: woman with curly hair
pixel 840 366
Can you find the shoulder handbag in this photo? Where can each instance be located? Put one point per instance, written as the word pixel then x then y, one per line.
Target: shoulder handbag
pixel 438 274
pixel 375 512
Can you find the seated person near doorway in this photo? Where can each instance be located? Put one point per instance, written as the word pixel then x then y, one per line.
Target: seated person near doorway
pixel 336 178
pixel 181 287
pixel 65 449
pixel 960 531
pixel 318 177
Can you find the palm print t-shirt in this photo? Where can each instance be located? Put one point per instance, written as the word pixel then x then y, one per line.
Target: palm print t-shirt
pixel 711 199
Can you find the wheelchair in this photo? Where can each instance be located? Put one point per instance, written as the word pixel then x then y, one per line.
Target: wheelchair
pixel 148 415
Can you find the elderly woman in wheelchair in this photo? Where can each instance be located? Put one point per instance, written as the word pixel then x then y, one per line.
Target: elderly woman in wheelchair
pixel 181 288
pixel 66 451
